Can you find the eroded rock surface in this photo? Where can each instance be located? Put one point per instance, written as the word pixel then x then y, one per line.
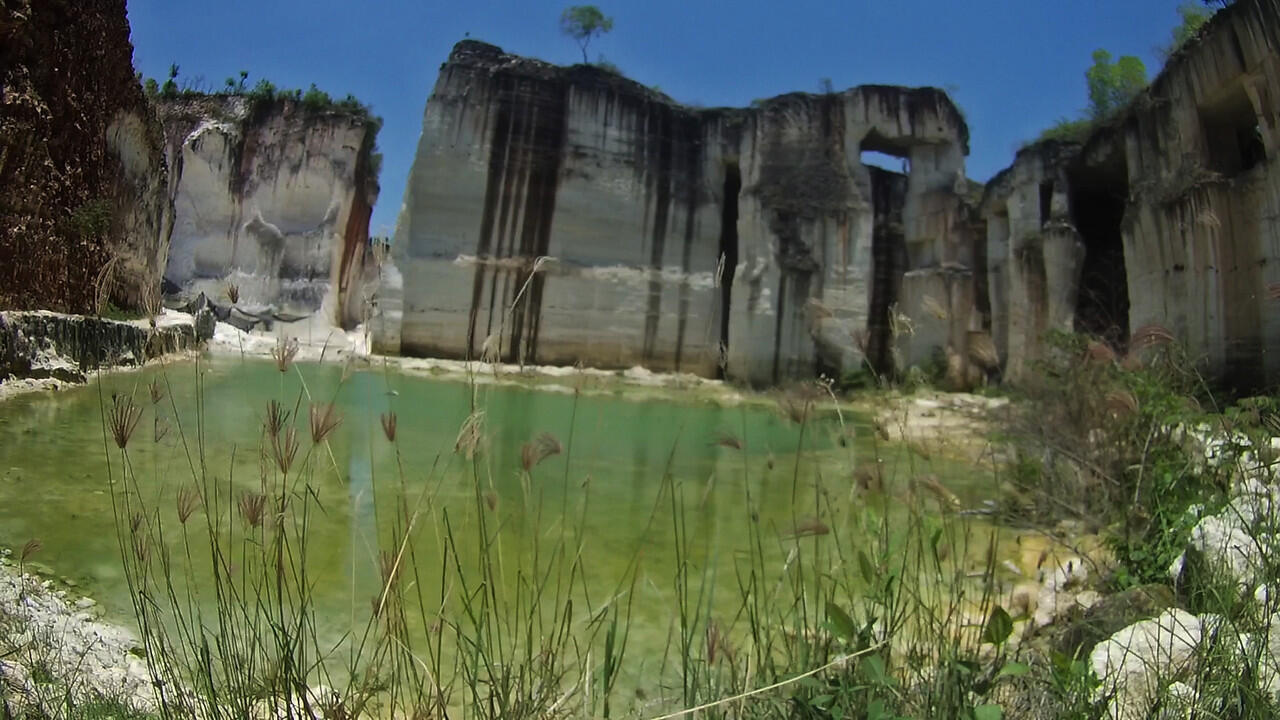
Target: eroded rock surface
pixel 1164 216
pixel 274 197
pixel 564 215
pixel 84 208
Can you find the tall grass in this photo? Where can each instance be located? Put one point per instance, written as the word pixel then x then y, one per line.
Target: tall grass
pixel 871 603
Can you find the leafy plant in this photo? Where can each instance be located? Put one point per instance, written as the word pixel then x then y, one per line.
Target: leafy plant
pixel 582 23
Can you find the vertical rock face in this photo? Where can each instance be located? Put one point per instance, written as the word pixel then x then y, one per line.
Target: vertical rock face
pixel 84 213
pixel 1165 216
pixel 273 197
pixel 563 215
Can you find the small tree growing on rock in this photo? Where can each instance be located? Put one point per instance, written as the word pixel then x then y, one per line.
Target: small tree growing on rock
pixel 583 22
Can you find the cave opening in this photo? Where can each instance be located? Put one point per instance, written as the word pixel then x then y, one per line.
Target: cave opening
pixel 1233 137
pixel 1097 197
pixel 728 256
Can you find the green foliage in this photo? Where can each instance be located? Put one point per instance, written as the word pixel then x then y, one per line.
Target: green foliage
pixel 1193 17
pixel 1113 84
pixel 1068 130
pixel 316 99
pixel 582 23
pixel 92 219
pixel 170 87
pixel 151 88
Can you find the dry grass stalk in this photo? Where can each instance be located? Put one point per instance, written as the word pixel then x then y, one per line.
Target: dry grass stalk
pixel 794 406
pixel 470 435
pixel 717 644
pixel 946 498
pixel 1150 336
pixel 29 548
pixel 1121 403
pixel 284 353
pixel 159 429
pixel 931 305
pixel 324 420
pixel 537 450
pixel 188 502
pixel 122 419
pixel 285 450
pixel 233 293
pixel 389 426
pixel 277 418
pixel 491 349
pixel 728 440
pixel 253 507
pixel 1099 353
pixel 156 390
pixel 982 350
pixel 869 478
pixel 808 527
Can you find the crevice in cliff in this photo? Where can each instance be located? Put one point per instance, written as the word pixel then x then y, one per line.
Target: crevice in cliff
pixel 888 262
pixel 1232 133
pixel 728 256
pixel 1098 197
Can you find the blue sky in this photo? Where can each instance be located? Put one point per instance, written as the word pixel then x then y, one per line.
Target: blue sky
pixel 1014 66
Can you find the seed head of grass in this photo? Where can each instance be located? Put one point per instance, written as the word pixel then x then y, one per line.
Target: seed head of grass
pixel 156 389
pixel 138 538
pixel 491 349
pixel 389 426
pixel 253 507
pixel 284 352
pixel 539 449
pixel 285 449
pixel 491 500
pixel 1121 403
pixel 1099 353
pixel 982 350
pixel 122 419
pixel 794 407
pixel 324 419
pixel 470 435
pixel 159 429
pixel 233 293
pixel 717 644
pixel 1150 336
pixel 29 548
pixel 728 440
pixel 277 418
pixel 188 501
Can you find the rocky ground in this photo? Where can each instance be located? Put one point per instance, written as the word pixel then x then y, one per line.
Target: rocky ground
pixel 54 646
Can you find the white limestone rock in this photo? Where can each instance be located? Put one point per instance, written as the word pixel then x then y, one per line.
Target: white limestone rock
pixel 1133 664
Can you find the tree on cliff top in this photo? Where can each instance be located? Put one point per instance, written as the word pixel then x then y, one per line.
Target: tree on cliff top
pixel 583 22
pixel 1113 84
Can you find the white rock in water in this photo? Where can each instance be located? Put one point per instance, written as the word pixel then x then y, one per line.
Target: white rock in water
pixel 1135 662
pixel 86 603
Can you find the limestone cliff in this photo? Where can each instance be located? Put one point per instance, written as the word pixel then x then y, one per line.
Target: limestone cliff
pixel 1166 215
pixel 84 209
pixel 273 196
pixel 563 215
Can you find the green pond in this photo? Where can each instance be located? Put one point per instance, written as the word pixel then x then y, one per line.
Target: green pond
pixel 639 484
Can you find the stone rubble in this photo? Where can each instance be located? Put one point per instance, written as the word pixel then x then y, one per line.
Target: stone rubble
pixel 57 637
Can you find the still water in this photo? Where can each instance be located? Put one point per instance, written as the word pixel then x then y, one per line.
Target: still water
pixel 608 498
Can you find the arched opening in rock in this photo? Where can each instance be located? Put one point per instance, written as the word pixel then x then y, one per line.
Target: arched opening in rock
pixel 1098 195
pixel 728 255
pixel 884 160
pixel 1232 134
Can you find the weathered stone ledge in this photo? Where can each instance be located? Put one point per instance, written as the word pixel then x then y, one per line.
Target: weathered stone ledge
pixel 40 345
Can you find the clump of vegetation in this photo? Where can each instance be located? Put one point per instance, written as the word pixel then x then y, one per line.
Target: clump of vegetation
pixel 582 23
pixel 1112 85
